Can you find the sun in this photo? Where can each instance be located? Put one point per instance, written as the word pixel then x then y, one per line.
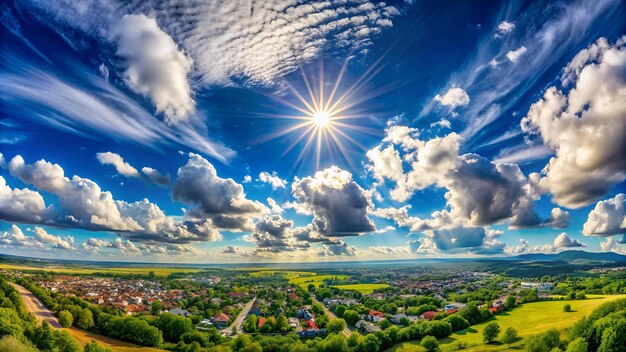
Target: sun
pixel 325 119
pixel 321 119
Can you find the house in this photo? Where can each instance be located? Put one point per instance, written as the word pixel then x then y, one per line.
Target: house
pixel 365 327
pixel 278 311
pixel 260 322
pixel 397 317
pixel 180 311
pixel 256 310
pixel 498 305
pixel 221 320
pixel 311 325
pixel 303 313
pixel 293 296
pixel 375 315
pixel 429 315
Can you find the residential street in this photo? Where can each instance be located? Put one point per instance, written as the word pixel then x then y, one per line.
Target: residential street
pixel 238 322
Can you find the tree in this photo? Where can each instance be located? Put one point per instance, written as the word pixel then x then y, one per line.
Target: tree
pixel 614 338
pixel 567 308
pixel 430 343
pixel 578 345
pixel 580 295
pixel 384 323
pixel 491 332
pixel 10 323
pixel 404 321
pixel 94 347
pixel 336 326
pixel 370 343
pixel 325 293
pixel 510 302
pixel 510 335
pixel 85 319
pixel 66 343
pixel 156 308
pixel 65 318
pixel 340 309
pixel 457 322
pixel 351 317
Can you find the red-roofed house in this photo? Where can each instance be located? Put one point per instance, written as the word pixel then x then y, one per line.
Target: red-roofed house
pixel 429 315
pixel 221 320
pixel 261 322
pixel 375 315
pixel 311 325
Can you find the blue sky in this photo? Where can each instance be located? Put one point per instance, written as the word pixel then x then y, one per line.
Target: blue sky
pixel 307 131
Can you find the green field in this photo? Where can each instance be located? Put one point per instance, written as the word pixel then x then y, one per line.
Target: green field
pixel 317 280
pixel 161 271
pixel 363 288
pixel 529 319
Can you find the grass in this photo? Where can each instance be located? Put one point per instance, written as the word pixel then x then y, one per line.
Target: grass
pixel 363 288
pixel 529 319
pixel 161 271
pixel 317 280
pixel 84 337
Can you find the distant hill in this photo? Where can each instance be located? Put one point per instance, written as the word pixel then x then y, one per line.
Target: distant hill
pixel 574 256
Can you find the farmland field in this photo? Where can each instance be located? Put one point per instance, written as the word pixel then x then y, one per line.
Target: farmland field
pixel 317 280
pixel 529 319
pixel 85 337
pixel 363 288
pixel 286 274
pixel 160 271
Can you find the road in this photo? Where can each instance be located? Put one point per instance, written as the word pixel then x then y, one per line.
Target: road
pixel 34 305
pixel 332 316
pixel 238 322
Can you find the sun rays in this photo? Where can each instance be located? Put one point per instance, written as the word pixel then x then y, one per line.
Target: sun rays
pixel 327 121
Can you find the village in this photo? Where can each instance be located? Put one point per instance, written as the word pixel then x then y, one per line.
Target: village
pixel 274 306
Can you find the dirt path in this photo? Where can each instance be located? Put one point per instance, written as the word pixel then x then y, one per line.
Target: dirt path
pixel 34 305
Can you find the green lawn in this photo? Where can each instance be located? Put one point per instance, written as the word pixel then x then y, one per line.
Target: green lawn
pixel 529 319
pixel 363 288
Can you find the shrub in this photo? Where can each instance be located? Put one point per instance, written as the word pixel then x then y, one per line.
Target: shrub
pixel 430 343
pixel 65 319
pixel 567 308
pixel 509 336
pixel 491 332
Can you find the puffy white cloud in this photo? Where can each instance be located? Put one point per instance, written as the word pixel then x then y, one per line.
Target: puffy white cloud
pixel 479 191
pixel 237 250
pixel 23 205
pixel 564 241
pixel 15 237
pixel 612 245
pixel 247 179
pixel 125 247
pixel 122 167
pixel 453 98
pixel 272 179
pixel 155 67
pixel 586 126
pixel 504 27
pixel 338 204
pixel 274 207
pixel 273 233
pixel 430 160
pixel 56 241
pixel 221 200
pixel 84 204
pixel 607 218
pixel 156 177
pixel 94 245
pixel 514 55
